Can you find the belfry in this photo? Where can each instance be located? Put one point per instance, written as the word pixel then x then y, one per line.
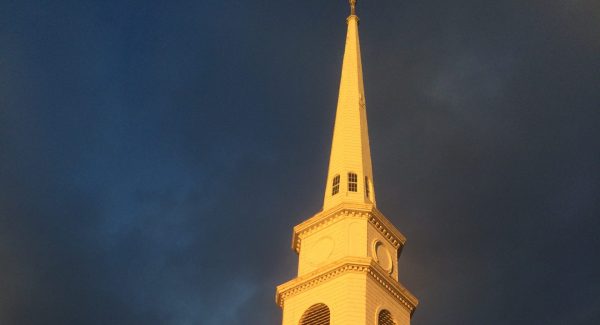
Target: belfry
pixel 348 252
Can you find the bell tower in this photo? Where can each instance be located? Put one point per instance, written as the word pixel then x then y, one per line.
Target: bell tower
pixel 348 252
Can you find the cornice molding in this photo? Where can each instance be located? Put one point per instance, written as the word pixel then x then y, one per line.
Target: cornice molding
pixel 363 265
pixel 367 211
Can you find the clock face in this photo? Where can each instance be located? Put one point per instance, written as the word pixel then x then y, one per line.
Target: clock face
pixel 383 256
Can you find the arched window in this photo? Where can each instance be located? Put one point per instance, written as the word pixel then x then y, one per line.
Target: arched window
pixel 335 189
pixel 316 315
pixel 367 190
pixel 385 318
pixel 352 182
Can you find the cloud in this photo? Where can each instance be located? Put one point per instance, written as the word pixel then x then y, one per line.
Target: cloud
pixel 154 157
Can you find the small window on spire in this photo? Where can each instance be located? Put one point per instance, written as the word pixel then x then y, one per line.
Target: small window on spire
pixel 352 182
pixel 335 189
pixel 367 190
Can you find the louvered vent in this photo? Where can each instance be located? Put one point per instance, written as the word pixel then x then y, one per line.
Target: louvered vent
pixel 316 315
pixel 385 318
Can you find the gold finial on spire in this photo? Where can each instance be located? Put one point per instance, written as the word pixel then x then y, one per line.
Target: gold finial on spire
pixel 352 7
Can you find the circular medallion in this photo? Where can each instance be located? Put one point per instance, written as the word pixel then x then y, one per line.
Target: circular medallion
pixel 320 250
pixel 383 256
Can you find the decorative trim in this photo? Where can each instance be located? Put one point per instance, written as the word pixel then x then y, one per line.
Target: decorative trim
pixel 401 294
pixel 348 265
pixel 365 211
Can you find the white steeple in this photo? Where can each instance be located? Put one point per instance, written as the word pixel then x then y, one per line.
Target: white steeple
pixel 350 175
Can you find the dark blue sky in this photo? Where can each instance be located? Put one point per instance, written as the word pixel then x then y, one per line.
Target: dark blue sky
pixel 141 142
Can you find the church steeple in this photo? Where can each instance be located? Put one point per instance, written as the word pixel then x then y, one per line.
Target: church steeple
pixel 348 252
pixel 350 175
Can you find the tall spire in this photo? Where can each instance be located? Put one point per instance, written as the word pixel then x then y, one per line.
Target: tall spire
pixel 348 252
pixel 350 175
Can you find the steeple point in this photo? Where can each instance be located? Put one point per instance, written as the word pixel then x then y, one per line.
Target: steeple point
pixel 352 7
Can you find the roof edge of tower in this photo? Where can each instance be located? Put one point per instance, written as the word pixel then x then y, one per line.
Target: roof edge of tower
pixel 348 264
pixel 369 211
